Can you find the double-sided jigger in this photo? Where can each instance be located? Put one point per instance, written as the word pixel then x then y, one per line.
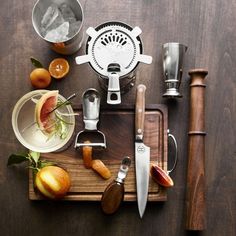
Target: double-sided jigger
pixel 172 58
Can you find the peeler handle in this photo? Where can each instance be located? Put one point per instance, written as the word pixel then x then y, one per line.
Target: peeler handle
pixel 91 108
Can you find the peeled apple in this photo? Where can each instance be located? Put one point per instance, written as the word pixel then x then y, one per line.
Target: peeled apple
pixel 53 182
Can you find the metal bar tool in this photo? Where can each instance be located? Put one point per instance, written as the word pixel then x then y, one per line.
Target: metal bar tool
pixel 114 192
pixel 142 152
pixel 91 107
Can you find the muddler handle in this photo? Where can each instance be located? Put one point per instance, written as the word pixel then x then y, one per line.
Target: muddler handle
pixel 195 198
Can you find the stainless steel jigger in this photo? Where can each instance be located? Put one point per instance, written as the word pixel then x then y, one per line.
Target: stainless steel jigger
pixel 173 54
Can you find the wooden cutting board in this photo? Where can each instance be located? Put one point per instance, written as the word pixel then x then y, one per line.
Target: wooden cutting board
pixel 117 123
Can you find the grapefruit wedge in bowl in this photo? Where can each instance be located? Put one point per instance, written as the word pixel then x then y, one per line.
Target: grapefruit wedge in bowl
pixel 45 118
pixel 38 125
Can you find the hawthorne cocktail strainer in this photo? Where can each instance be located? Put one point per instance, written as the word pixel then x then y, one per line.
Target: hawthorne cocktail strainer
pixel 114 50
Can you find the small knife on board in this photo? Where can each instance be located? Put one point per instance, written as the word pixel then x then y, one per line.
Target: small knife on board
pixel 142 152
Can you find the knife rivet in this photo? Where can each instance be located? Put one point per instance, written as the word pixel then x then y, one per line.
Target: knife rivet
pixel 141 149
pixel 139 131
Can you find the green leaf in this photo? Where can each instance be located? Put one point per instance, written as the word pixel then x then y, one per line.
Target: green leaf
pixel 35 156
pixel 36 63
pixel 17 159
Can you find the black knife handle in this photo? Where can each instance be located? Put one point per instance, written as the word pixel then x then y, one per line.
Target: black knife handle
pixel 112 197
pixel 140 111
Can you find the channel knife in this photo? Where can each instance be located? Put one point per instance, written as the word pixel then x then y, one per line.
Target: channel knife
pixel 142 152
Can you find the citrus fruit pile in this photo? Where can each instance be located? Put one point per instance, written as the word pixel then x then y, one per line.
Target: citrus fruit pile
pixel 42 78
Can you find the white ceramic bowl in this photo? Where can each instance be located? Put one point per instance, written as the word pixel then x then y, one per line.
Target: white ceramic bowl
pixel 27 131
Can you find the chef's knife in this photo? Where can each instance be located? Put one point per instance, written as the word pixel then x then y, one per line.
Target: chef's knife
pixel 142 152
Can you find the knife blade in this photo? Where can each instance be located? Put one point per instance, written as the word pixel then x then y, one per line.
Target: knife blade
pixel 142 152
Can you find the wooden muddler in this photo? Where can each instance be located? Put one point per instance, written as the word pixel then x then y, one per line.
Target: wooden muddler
pixel 196 153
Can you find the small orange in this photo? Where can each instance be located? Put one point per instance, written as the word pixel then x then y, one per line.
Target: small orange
pixel 59 68
pixel 40 78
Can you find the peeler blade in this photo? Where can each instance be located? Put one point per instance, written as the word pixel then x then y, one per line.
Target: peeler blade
pixel 97 139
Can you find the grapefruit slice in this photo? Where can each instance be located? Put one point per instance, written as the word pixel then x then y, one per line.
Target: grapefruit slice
pixel 161 176
pixel 46 119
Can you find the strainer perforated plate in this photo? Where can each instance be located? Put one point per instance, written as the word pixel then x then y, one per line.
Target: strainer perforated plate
pixel 114 42
pixel 114 49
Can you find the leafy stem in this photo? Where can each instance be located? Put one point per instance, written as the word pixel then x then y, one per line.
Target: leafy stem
pixel 32 157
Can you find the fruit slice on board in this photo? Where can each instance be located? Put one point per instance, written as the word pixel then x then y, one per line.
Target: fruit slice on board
pixel 87 155
pixel 161 176
pixel 46 119
pixel 101 169
pixel 59 68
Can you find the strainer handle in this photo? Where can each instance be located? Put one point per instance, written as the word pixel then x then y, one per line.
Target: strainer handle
pixel 113 94
pixel 82 59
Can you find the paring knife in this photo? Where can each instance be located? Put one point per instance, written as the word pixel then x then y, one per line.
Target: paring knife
pixel 142 152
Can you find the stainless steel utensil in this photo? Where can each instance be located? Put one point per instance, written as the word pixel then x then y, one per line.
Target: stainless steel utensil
pixel 114 192
pixel 91 107
pixel 142 152
pixel 114 50
pixel 69 46
pixel 173 54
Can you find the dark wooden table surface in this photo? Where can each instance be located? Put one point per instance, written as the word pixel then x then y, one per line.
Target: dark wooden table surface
pixel 208 28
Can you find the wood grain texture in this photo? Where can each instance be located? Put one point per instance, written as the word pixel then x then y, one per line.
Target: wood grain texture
pixel 207 28
pixel 112 197
pixel 195 200
pixel 118 127
pixel 140 110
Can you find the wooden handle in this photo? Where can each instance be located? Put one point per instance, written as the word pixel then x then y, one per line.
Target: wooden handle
pixel 140 111
pixel 195 199
pixel 112 197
